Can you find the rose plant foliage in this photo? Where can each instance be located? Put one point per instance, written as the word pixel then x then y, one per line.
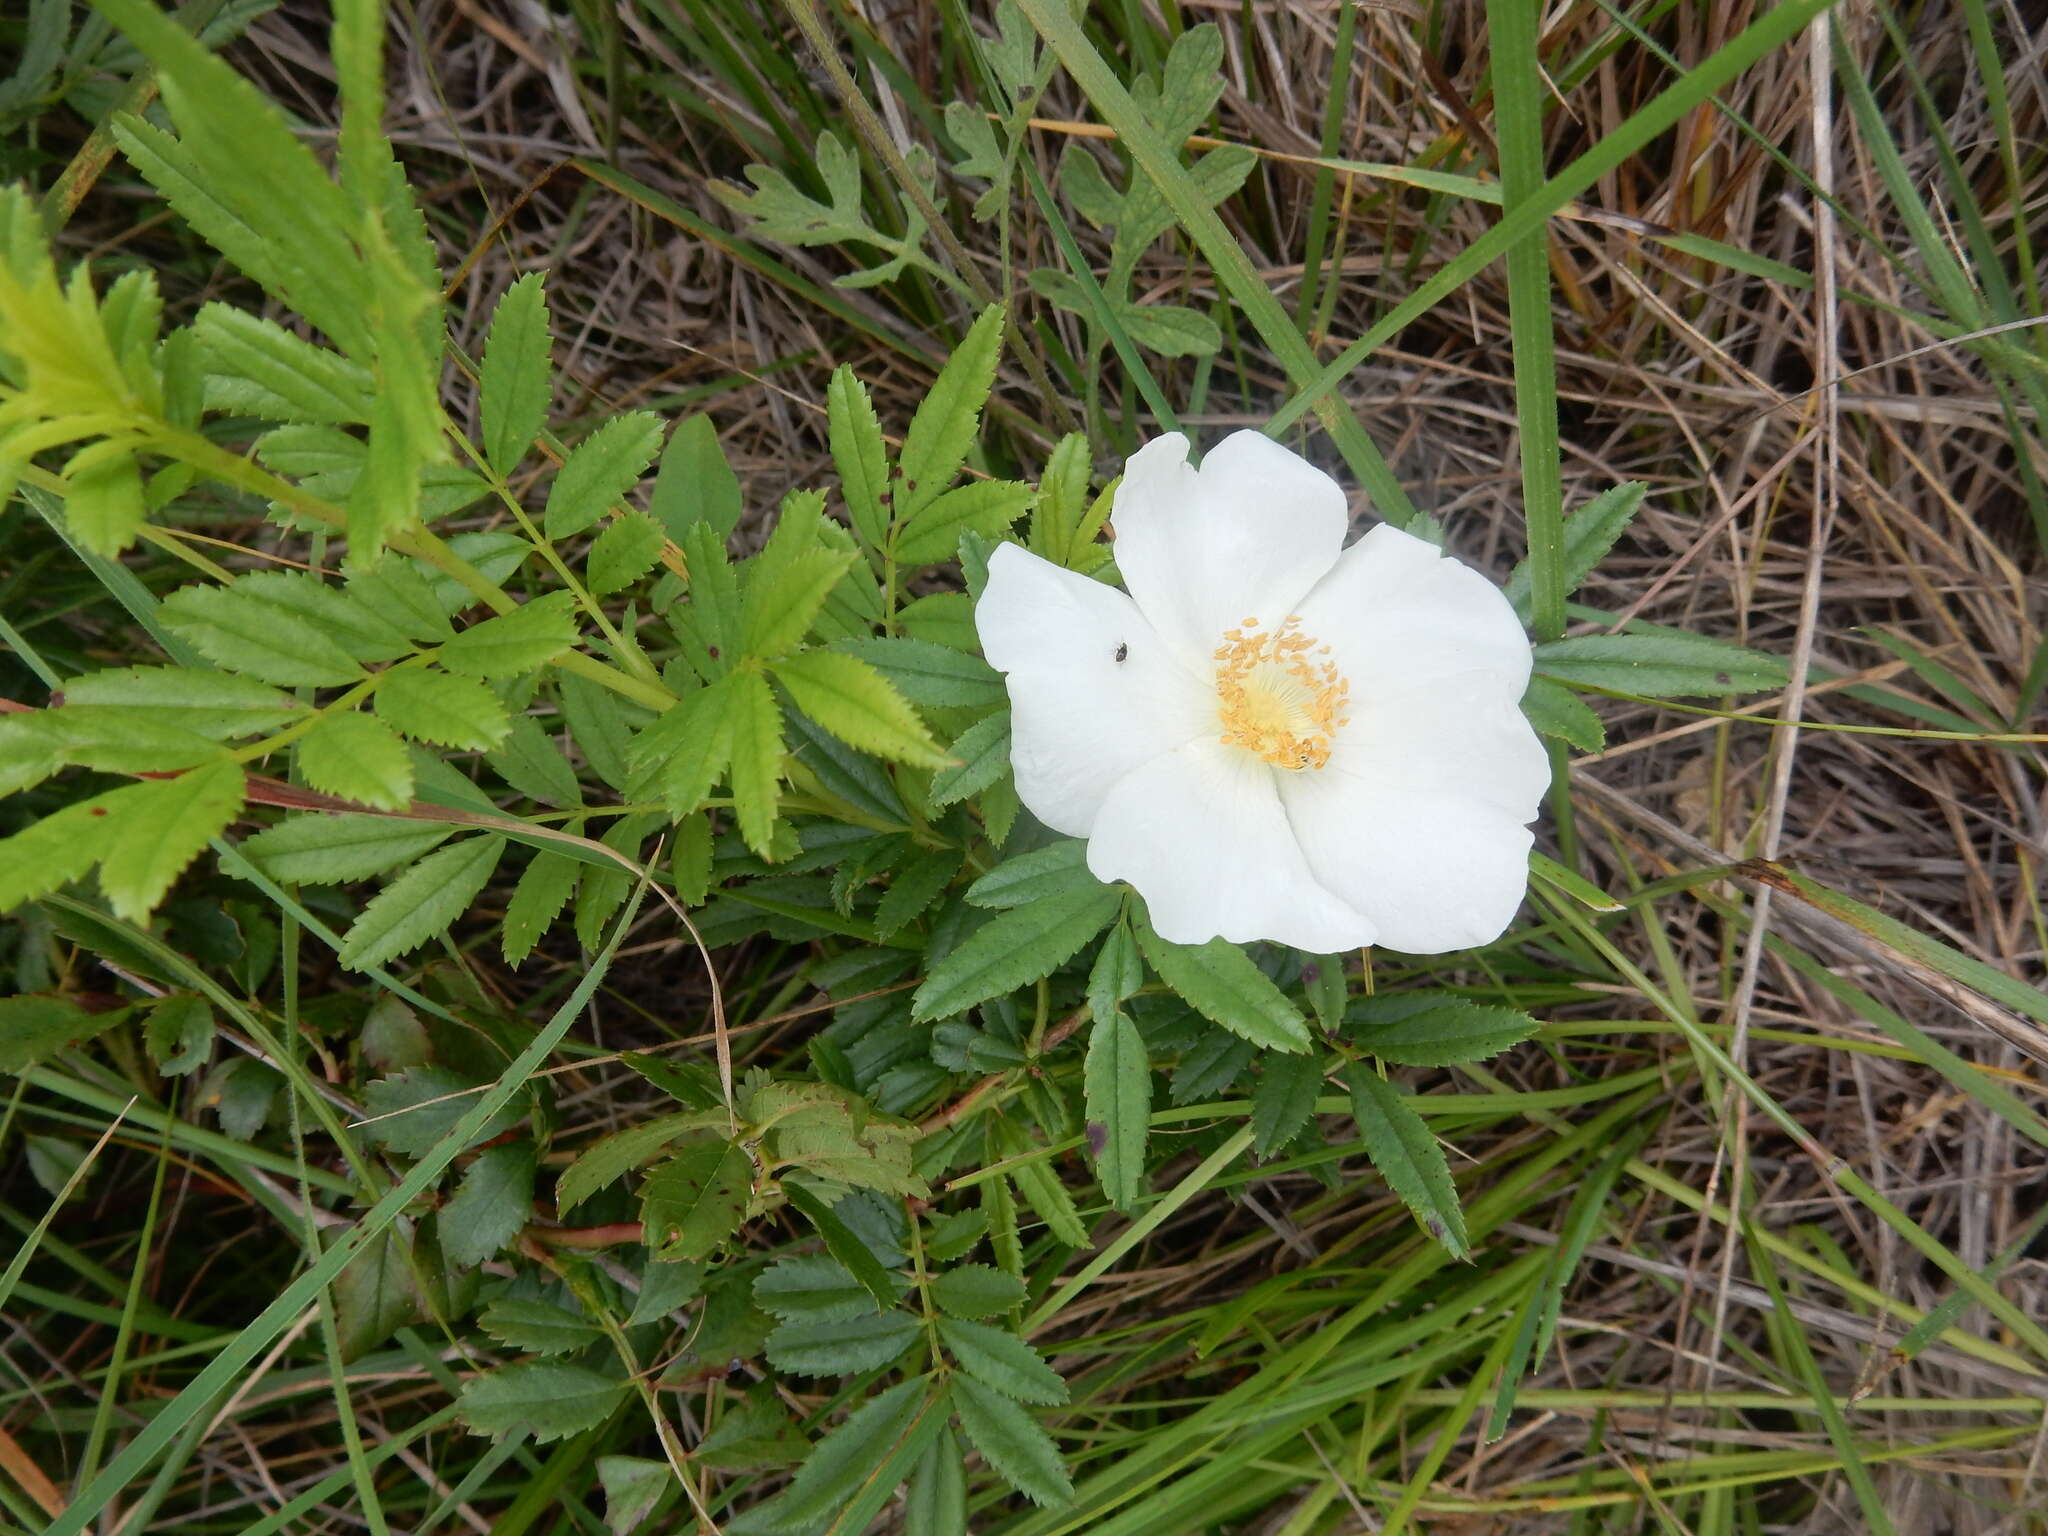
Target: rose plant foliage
pixel 1070 794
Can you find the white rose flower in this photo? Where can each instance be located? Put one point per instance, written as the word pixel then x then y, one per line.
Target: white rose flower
pixel 1271 736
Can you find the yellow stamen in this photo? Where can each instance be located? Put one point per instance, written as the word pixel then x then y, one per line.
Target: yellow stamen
pixel 1277 696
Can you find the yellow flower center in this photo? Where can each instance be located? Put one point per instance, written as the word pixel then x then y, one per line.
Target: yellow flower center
pixel 1278 694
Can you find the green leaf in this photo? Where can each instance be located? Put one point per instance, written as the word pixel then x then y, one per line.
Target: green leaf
pixel 446 710
pixel 546 1398
pixel 393 1039
pixel 695 482
pixel 854 1463
pixel 413 1111
pixel 1118 971
pixel 981 755
pixel 1003 1361
pixel 346 623
pixel 693 1202
pixel 61 847
pixel 420 903
pixel 987 507
pixel 1556 711
pixel 377 1293
pixel 255 367
pixel 757 750
pixel 516 642
pixel 1664 665
pixel 614 1156
pixel 786 595
pixel 628 549
pixel 859 454
pixel 164 824
pixel 532 762
pixel 35 1028
pixel 517 380
pixel 1322 978
pixel 928 673
pixel 1060 513
pixel 1049 871
pixel 687 748
pixel 178 1033
pixel 1588 534
pixel 1283 1100
pixel 916 886
pixel 243 633
pixel 1049 1197
pixel 1012 1442
pixel 103 502
pixel 1171 330
pixel 1016 947
pixel 109 737
pixel 213 704
pixel 1221 984
pixel 976 1291
pixel 1407 1156
pixel 1422 1029
pixel 1117 1085
pixel 936 1502
pixel 537 1327
pixel 943 428
pixel 857 704
pixel 812 1288
pixel 324 848
pixel 635 1490
pixel 841 1347
pixel 843 1243
pixel 394 590
pixel 599 471
pixel 490 1206
pixel 357 758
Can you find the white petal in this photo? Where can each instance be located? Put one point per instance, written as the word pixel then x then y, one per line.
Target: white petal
pixel 1433 871
pixel 1202 835
pixel 1081 718
pixel 1457 735
pixel 1397 612
pixel 1245 537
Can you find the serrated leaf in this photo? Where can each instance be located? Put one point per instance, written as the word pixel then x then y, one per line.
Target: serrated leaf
pixel 853 1464
pixel 1003 1361
pixel 976 1291
pixel 1171 330
pixel 532 762
pixel 635 1489
pixel 1407 1156
pixel 517 377
pixel 393 1039
pixel 687 748
pixel 439 707
pixel 613 1156
pixel 1058 867
pixel 1556 711
pixel 812 1288
pixel 1589 533
pixel 1664 665
pixel 420 903
pixel 255 367
pixel 928 673
pixel 756 1432
pixel 785 597
pixel 839 1348
pixel 244 634
pixel 103 502
pixel 756 770
pixel 1016 947
pixel 1117 1088
pixel 346 624
pixel 628 549
pixel 178 1033
pixel 218 705
pixel 516 642
pixel 843 1243
pixel 397 593
pixel 109 737
pixel 357 758
pixel 325 848
pixel 695 482
pixel 1284 1100
pixel 61 847
pixel 857 704
pixel 412 1111
pixel 546 1398
pixel 377 1293
pixel 1220 982
pixel 1048 1196
pixel 987 507
pixel 537 1327
pixel 35 1028
pixel 981 755
pixel 859 454
pixel 164 825
pixel 916 886
pixel 599 471
pixel 944 426
pixel 693 1202
pixel 1420 1029
pixel 488 1208
pixel 1012 1442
